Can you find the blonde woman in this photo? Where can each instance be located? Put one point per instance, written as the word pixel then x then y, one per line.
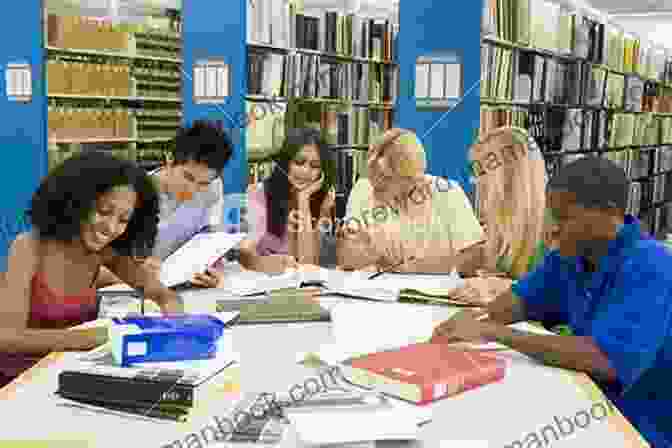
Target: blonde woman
pixel 404 219
pixel 510 182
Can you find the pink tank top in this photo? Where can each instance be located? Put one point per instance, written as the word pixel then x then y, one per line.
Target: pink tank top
pixel 50 310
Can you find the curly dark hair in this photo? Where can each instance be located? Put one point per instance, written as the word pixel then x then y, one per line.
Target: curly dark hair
pixel 277 187
pixel 203 142
pixel 68 195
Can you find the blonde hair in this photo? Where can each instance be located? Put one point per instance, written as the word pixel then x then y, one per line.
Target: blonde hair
pixel 511 181
pixel 407 152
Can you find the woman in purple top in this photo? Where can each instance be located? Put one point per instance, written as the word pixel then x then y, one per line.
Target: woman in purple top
pixel 288 209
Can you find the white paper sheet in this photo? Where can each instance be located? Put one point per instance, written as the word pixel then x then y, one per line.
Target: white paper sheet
pixel 397 421
pixel 367 327
pixel 196 255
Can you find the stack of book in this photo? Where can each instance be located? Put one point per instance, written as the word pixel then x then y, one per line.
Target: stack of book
pixel 159 367
pixel 164 390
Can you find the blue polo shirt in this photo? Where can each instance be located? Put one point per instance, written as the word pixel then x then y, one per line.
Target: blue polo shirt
pixel 626 307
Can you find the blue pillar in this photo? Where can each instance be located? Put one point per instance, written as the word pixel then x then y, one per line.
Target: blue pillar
pixel 23 126
pixel 428 27
pixel 215 29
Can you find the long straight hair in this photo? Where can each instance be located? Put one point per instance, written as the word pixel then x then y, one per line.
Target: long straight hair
pixel 511 182
pixel 277 188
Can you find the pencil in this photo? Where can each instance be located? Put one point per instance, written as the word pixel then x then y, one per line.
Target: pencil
pixel 390 268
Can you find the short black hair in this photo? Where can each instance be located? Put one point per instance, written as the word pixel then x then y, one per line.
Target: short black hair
pixel 67 196
pixel 597 182
pixel 203 142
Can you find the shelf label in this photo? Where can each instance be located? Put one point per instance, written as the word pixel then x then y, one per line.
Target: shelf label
pixel 18 82
pixel 211 82
pixel 438 80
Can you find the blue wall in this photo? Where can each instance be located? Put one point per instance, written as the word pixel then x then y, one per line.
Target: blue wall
pixel 23 127
pixel 430 26
pixel 216 29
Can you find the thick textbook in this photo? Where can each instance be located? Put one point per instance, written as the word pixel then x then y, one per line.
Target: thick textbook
pixel 425 372
pixel 161 384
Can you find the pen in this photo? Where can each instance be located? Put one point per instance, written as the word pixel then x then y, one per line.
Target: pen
pixel 390 268
pixel 141 292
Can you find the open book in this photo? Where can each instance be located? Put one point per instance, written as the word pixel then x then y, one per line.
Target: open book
pixel 387 287
pixel 196 255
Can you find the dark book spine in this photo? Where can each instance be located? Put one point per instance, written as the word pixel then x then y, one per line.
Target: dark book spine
pixel 141 409
pixel 300 31
pixel 127 390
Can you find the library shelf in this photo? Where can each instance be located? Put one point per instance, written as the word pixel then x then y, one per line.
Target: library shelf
pixel 115 98
pixel 112 54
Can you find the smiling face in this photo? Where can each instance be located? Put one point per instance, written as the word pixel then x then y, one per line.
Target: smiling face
pixel 186 179
pixel 109 218
pixel 305 168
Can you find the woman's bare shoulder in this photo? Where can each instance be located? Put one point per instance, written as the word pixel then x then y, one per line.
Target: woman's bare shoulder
pixel 24 253
pixel 25 243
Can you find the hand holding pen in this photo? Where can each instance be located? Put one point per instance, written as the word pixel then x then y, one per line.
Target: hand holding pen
pixel 392 268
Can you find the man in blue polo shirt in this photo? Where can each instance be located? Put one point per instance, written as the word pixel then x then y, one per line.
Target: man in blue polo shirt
pixel 610 283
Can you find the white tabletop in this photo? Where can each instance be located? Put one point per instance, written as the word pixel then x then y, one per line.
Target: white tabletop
pixel 496 415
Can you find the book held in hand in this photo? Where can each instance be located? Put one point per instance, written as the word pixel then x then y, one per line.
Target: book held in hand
pixel 425 372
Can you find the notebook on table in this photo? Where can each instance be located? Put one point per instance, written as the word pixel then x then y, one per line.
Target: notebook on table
pixel 280 306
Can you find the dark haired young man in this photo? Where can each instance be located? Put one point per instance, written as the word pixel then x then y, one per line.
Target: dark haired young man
pixel 610 283
pixel 191 192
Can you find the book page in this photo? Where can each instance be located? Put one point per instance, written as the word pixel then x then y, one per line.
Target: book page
pixel 196 255
pixel 367 327
pixel 392 422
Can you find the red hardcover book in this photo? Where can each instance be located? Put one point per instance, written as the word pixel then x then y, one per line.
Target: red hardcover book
pixel 425 372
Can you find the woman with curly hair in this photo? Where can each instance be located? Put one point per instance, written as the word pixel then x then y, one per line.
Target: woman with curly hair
pixel 286 210
pixel 92 211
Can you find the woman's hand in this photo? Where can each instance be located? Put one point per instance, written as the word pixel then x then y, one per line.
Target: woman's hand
pixel 329 203
pixel 153 265
pixel 481 290
pixel 304 194
pixel 208 279
pixel 89 338
pixel 277 264
pixel 171 304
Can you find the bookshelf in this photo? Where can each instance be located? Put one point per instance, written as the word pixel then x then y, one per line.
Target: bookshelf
pixel 75 82
pixel 333 69
pixel 114 87
pixel 588 88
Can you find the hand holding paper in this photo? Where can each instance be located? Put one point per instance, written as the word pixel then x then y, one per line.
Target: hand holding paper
pixel 208 279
